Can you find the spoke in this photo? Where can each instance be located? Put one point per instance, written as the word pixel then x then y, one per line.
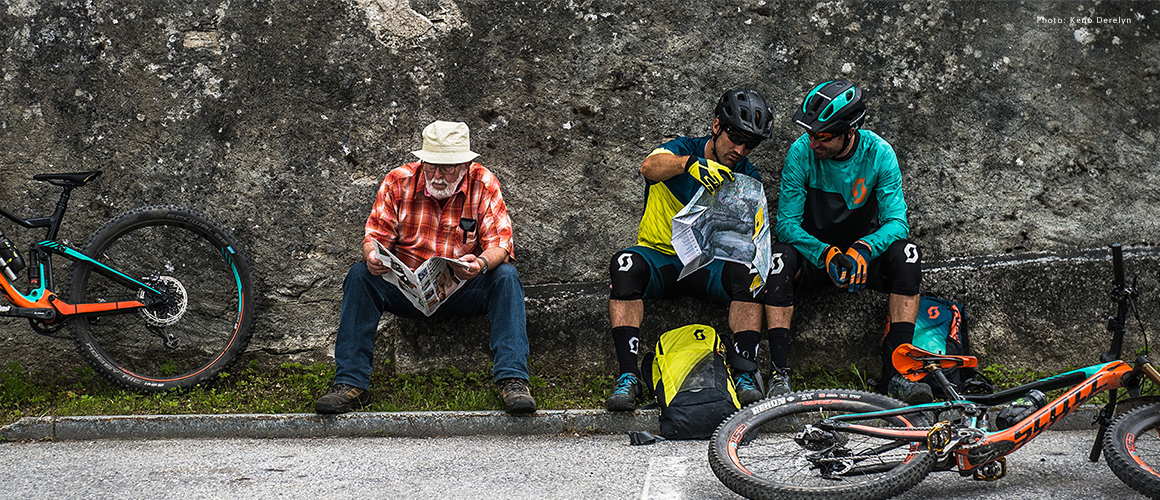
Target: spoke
pixel 777 455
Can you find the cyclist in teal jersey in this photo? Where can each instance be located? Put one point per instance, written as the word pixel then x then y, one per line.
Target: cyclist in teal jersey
pixel 673 173
pixel 841 222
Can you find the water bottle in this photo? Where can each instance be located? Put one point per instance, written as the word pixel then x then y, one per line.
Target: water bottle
pixel 1020 409
pixel 10 259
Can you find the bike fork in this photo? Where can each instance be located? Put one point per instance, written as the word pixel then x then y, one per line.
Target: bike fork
pixel 1143 368
pixel 1103 418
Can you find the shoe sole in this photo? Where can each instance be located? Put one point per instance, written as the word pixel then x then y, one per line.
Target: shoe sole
pixel 750 396
pixel 920 399
pixel 329 409
pixel 621 406
pixel 522 407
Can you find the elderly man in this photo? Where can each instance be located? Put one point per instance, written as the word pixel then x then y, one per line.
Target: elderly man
pixel 445 205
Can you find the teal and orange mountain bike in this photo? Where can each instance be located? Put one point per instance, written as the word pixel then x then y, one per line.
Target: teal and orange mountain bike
pixel 853 445
pixel 158 298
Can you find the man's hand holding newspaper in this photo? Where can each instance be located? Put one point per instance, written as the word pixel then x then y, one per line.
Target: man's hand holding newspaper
pixel 429 285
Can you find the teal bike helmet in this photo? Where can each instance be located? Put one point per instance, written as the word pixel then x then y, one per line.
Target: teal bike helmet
pixel 745 110
pixel 834 106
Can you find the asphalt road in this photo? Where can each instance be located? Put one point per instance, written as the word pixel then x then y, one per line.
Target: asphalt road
pixel 485 467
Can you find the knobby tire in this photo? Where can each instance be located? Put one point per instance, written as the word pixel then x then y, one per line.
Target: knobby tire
pixel 770 465
pixel 1132 449
pixel 183 247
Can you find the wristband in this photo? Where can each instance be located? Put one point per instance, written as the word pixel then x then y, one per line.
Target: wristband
pixel 485 265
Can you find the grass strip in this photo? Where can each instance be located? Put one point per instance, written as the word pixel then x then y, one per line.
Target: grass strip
pixel 293 388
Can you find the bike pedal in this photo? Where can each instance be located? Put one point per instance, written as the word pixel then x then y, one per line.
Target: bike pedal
pixel 992 471
pixel 939 437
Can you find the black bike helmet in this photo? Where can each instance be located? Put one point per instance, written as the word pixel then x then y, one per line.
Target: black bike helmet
pixel 834 106
pixel 745 110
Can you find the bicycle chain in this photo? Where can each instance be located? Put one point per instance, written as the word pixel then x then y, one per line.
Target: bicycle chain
pixel 928 429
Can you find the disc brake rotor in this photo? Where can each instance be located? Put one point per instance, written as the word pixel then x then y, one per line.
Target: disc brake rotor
pixel 170 310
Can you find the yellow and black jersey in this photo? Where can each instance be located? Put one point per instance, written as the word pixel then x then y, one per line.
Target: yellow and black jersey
pixel 665 198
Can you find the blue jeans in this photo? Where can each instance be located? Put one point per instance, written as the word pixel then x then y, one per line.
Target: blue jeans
pixel 365 297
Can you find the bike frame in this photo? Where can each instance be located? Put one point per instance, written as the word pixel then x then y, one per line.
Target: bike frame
pixel 1092 380
pixel 41 303
pixel 986 446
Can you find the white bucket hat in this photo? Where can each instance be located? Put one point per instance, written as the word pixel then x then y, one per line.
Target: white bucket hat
pixel 446 143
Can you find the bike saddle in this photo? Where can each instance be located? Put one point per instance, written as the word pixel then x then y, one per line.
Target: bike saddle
pixel 76 179
pixel 914 363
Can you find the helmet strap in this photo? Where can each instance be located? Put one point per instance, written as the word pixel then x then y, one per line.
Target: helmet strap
pixel 847 145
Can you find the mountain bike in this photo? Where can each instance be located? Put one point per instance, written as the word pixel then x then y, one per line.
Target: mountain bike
pixel 854 445
pixel 158 297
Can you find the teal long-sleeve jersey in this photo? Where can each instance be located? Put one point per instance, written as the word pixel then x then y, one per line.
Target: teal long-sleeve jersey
pixel 829 202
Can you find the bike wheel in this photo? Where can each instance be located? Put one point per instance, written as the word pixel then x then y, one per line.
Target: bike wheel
pixel 204 322
pixel 754 452
pixel 1132 449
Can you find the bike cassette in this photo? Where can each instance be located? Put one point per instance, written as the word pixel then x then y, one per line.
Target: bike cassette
pixel 815 439
pixel 992 471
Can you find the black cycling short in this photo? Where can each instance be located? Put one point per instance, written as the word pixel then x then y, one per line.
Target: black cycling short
pixel 644 273
pixel 898 271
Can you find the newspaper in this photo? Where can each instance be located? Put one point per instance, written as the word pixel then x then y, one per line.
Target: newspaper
pixel 732 225
pixel 428 286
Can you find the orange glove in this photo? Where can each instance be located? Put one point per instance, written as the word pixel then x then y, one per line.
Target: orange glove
pixel 859 253
pixel 838 266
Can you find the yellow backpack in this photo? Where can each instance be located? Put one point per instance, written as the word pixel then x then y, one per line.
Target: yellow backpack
pixel 691 382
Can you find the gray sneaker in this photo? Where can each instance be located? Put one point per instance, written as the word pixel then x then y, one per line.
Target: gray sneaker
pixel 779 383
pixel 624 395
pixel 911 392
pixel 746 386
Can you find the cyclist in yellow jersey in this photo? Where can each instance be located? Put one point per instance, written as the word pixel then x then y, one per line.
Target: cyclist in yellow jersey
pixel 673 173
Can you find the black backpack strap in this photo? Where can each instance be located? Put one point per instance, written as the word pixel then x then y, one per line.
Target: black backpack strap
pixel 646 372
pixel 637 438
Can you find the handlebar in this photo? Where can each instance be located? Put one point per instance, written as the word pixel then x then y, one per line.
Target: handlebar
pixel 1122 295
pixel 1118 265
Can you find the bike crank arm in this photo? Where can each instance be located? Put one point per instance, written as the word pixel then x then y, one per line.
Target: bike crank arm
pixel 43 314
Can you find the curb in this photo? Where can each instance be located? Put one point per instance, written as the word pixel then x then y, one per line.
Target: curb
pixel 402 424
pixel 310 425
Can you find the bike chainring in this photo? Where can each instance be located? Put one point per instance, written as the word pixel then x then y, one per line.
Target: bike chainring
pixel 48 330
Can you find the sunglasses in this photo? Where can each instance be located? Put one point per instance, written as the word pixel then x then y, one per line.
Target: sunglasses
pixel 823 136
pixel 446 170
pixel 738 137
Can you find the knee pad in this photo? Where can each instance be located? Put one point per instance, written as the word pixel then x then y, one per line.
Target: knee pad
pixel 628 272
pixel 904 260
pixel 783 267
pixel 735 280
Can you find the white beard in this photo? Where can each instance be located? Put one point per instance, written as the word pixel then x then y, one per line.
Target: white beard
pixel 446 192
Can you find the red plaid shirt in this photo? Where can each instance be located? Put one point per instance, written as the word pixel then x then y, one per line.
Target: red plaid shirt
pixel 417 227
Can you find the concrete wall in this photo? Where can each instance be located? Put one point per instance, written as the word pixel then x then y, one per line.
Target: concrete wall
pixel 1022 129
